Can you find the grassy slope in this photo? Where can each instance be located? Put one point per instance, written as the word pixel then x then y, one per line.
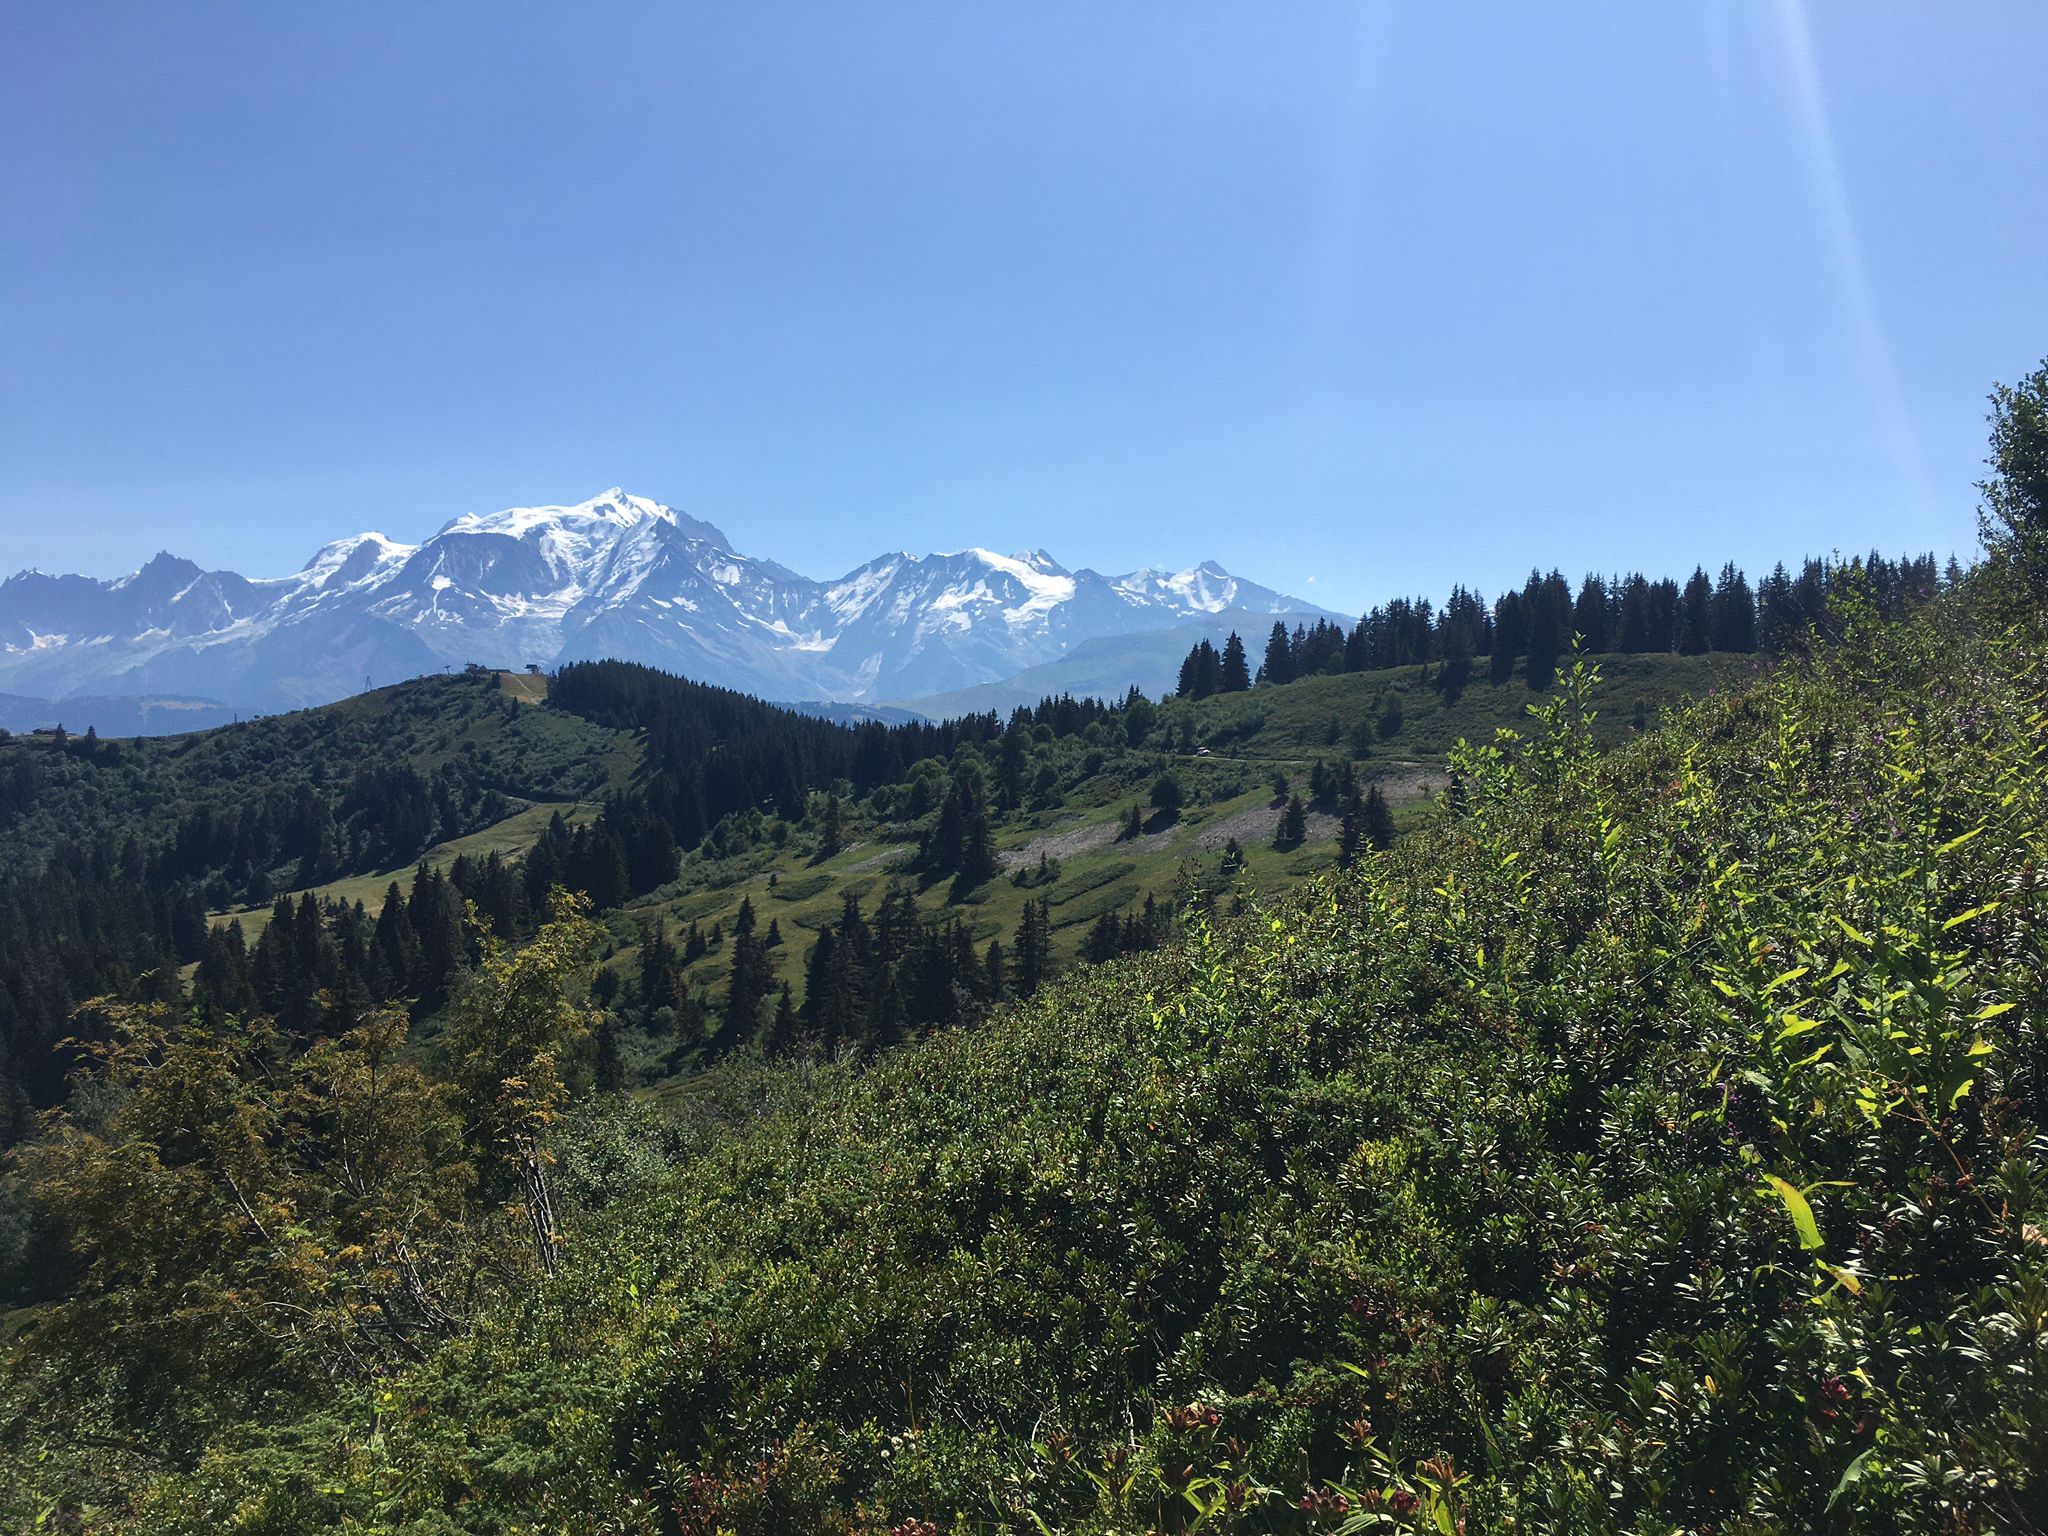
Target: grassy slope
pixel 510 837
pixel 1247 736
pixel 612 757
pixel 1442 1187
pixel 1318 714
pixel 143 787
pixel 535 754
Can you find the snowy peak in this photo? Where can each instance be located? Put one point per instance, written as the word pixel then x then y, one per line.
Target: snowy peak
pixel 347 561
pixel 1035 585
pixel 1204 588
pixel 613 508
pixel 618 575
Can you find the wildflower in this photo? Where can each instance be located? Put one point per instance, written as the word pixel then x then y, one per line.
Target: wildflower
pixel 1830 1397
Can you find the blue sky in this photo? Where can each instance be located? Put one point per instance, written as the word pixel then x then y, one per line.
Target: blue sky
pixel 1355 299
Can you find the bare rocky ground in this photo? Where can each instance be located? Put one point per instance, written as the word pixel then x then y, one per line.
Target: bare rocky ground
pixel 1399 782
pixel 1257 824
pixel 1083 837
pixel 1402 782
pixel 887 856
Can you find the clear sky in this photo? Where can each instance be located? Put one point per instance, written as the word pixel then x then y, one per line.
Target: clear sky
pixel 1356 299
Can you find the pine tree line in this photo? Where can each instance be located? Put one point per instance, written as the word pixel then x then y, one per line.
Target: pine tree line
pixel 1535 626
pixel 712 753
pixel 871 978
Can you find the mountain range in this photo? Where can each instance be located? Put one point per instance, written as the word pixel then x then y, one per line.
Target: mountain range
pixel 616 576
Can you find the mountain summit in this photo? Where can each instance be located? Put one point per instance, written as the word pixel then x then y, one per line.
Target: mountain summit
pixel 618 575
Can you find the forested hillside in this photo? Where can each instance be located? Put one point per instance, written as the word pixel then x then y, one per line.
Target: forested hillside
pixel 1648 1146
pixel 950 864
pixel 251 868
pixel 1441 1095
pixel 1075 833
pixel 1475 965
pixel 112 853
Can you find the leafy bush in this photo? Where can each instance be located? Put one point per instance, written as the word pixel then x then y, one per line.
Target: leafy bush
pixel 1651 1148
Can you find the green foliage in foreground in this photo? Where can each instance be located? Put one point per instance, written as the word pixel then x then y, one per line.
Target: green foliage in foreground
pixel 1652 1147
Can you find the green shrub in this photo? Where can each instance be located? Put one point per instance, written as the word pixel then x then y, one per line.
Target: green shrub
pixel 1654 1146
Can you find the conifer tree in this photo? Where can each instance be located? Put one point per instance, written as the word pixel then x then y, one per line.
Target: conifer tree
pixel 1510 635
pixel 1201 674
pixel 978 863
pixel 1548 603
pixel 842 1008
pixel 782 1033
pixel 1664 605
pixel 542 867
pixel 855 937
pixel 934 998
pixel 886 1011
pixel 1780 624
pixel 1166 796
pixel 1031 961
pixel 1351 832
pixel 1153 923
pixel 220 986
pixel 603 875
pixel 1278 666
pixel 832 833
pixel 1104 941
pixel 817 977
pixel 660 980
pixel 1318 781
pixel 1378 819
pixel 1010 764
pixel 609 1068
pixel 1589 614
pixel 395 940
pixel 1293 828
pixel 1695 615
pixel 948 835
pixel 1236 674
pixel 1637 633
pixel 997 973
pixel 1733 612
pixel 970 980
pixel 747 985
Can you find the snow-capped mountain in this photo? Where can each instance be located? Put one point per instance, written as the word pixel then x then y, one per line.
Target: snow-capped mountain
pixel 615 576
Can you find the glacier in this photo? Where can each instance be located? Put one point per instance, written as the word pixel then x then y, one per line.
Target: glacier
pixel 618 576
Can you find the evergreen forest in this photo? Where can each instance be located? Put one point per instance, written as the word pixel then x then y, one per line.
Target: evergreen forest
pixel 1572 1062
